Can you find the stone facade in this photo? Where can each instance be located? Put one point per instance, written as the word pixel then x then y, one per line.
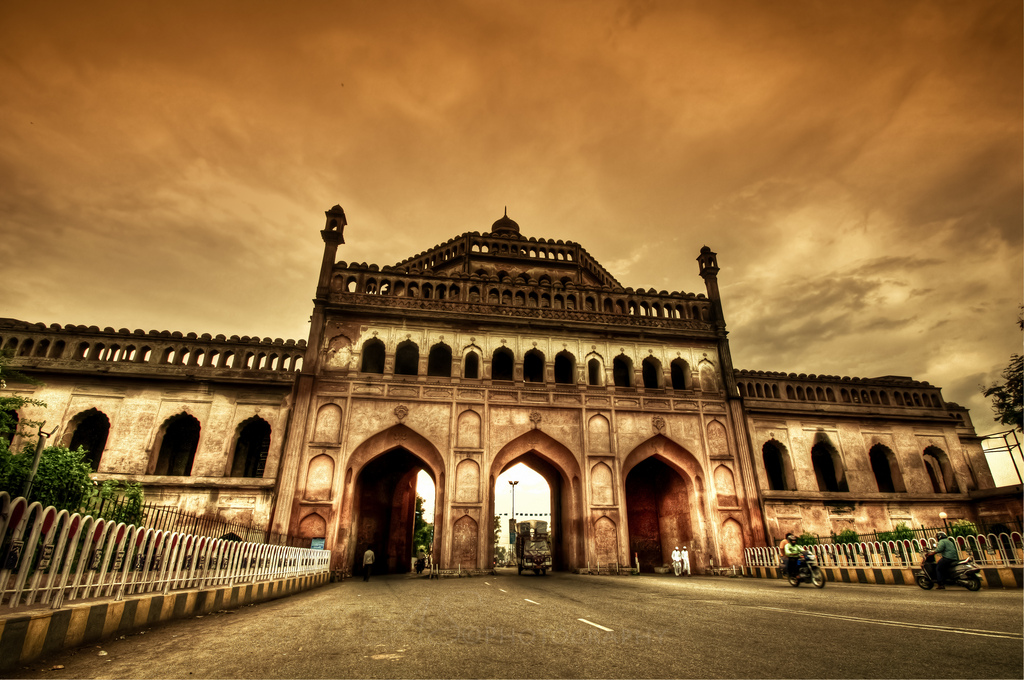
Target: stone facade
pixel 489 350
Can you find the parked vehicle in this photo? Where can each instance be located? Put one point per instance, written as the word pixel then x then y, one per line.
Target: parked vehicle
pixel 964 573
pixel 808 570
pixel 533 546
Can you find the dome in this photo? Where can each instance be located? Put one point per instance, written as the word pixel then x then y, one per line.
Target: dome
pixel 504 225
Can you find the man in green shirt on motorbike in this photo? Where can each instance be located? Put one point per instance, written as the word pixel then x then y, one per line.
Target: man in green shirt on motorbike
pixel 948 556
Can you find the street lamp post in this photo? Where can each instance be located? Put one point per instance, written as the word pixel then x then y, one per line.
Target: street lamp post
pixel 943 516
pixel 512 534
pixel 513 485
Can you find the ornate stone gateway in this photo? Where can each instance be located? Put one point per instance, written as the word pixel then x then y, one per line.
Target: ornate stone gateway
pixel 487 350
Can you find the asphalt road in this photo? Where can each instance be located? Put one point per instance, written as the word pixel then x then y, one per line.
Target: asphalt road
pixel 570 626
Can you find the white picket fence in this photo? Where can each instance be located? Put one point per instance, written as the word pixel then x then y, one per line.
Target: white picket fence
pixel 54 557
pixel 1002 550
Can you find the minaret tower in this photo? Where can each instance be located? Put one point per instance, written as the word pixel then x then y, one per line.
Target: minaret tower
pixel 708 262
pixel 285 503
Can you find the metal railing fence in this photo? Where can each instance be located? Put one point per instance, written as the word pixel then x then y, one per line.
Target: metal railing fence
pixel 53 557
pixel 1007 526
pixel 174 520
pixel 1002 550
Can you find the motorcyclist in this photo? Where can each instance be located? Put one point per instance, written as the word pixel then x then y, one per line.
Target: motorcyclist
pixel 948 555
pixel 791 551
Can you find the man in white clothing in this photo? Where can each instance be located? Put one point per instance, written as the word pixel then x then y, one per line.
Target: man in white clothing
pixel 677 561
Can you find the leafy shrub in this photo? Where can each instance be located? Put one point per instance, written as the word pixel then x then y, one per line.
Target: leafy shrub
pixel 121 501
pixel 846 536
pixel 807 539
pixel 962 527
pixel 901 532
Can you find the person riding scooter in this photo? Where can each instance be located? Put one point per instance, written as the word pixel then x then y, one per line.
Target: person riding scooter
pixel 948 555
pixel 791 550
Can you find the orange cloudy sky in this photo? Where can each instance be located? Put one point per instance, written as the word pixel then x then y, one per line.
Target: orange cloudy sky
pixel 856 165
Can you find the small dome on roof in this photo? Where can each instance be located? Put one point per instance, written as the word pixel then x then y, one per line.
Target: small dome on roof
pixel 504 225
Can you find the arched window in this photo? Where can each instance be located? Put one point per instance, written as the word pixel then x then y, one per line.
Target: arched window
pixel 940 471
pixel 502 364
pixel 178 446
pixel 681 377
pixel 439 361
pixel 472 369
pixel 886 469
pixel 595 373
pixel 251 448
pixel 775 466
pixel 373 356
pixel 407 358
pixel 828 468
pixel 653 375
pixel 533 366
pixel 91 429
pixel 565 368
pixel 622 371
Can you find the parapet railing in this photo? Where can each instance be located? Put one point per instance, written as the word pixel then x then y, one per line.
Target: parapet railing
pixel 992 550
pixel 52 557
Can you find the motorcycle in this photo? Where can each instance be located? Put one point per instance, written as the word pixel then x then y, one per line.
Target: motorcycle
pixel 963 573
pixel 808 571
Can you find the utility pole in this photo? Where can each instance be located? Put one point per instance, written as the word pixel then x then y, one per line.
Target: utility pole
pixel 40 445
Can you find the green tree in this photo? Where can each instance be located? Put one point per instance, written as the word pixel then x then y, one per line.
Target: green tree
pixel 1008 398
pixel 62 479
pixel 497 529
pixel 422 530
pixel 10 404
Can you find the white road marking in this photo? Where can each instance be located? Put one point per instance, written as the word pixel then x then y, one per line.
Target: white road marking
pixel 502 590
pixel 531 601
pixel 486 583
pixel 903 624
pixel 595 625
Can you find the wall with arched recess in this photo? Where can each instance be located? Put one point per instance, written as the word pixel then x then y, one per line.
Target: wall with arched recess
pixel 313 526
pixel 464 539
pixel 606 542
pixel 599 434
pixel 725 487
pixel 320 478
pixel 708 382
pixel 469 430
pixel 601 485
pixel 718 440
pixel 731 543
pixel 328 424
pixel 467 482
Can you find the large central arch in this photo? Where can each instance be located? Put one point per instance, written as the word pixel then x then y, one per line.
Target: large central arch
pixel 559 468
pixel 379 503
pixel 663 486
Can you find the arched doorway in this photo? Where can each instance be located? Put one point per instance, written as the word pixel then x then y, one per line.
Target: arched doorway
pixel 557 465
pixel 385 498
pixel 664 497
pixel 379 505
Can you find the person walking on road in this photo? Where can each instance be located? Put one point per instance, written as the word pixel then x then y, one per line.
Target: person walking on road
pixel 685 559
pixel 677 561
pixel 367 563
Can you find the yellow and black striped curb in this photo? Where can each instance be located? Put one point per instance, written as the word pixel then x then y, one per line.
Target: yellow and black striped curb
pixel 26 636
pixel 991 577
